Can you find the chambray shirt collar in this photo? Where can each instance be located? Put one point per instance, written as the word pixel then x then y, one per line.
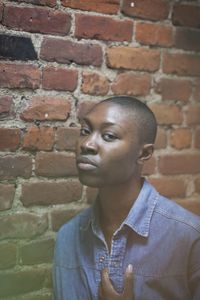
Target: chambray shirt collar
pixel 139 216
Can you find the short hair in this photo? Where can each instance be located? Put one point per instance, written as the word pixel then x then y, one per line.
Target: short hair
pixel 142 114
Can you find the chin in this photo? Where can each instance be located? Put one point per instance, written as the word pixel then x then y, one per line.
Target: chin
pixel 89 181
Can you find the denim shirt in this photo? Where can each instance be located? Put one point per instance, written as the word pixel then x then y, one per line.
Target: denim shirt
pixel 159 238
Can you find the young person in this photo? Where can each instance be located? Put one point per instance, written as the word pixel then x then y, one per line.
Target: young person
pixel 133 243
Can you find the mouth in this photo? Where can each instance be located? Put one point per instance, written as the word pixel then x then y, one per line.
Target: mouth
pixel 84 163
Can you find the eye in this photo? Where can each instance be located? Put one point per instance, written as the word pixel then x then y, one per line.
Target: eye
pixel 84 131
pixel 109 137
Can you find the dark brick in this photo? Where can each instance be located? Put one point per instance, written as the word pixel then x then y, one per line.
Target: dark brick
pixel 66 138
pixel 186 15
pixel 9 139
pixel 187 39
pixel 8 255
pixel 101 6
pixel 67 52
pixel 60 217
pixel 6 103
pixel 7 193
pixel 17 48
pixel 12 167
pixel 50 3
pixel 37 252
pixel 22 225
pixel 1 10
pixel 47 193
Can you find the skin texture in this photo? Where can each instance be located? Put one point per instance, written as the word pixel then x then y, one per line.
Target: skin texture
pixel 110 157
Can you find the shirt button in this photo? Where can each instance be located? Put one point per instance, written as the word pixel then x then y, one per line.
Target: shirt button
pixel 101 259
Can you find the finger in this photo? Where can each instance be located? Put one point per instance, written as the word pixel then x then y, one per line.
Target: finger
pixel 106 285
pixel 128 284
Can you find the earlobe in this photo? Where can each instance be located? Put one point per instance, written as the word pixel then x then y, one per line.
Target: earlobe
pixel 146 153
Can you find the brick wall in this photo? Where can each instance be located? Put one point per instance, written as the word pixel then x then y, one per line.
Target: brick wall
pixel 59 57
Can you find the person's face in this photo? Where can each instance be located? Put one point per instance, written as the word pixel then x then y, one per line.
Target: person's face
pixel 108 148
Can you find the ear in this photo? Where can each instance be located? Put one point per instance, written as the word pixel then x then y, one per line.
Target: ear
pixel 146 153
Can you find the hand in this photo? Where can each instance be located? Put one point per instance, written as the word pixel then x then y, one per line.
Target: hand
pixel 107 291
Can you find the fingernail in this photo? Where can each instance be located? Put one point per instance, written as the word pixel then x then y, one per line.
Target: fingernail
pixel 130 268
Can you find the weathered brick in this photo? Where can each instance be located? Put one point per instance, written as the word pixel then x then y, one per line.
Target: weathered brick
pixel 197 185
pixel 196 94
pixel 84 107
pixel 179 164
pixel 34 19
pixel 5 106
pixel 181 138
pixel 37 252
pixel 7 193
pixel 47 193
pixel 167 114
pixel 8 255
pixel 186 15
pixel 155 10
pixel 39 138
pixel 1 10
pixel 193 115
pixel 197 138
pixel 12 167
pixel 67 52
pixel 9 138
pixel 174 89
pixel 19 76
pixel 59 79
pixel 187 39
pixel 55 165
pixel 149 166
pixel 181 64
pixel 46 108
pixel 131 84
pixel 169 187
pixel 94 84
pixel 17 47
pixel 141 59
pixel 91 194
pixel 60 217
pixel 154 34
pixel 50 3
pixel 66 138
pixel 161 139
pixel 23 225
pixel 101 6
pixel 103 28
pixel 192 205
pixel 18 282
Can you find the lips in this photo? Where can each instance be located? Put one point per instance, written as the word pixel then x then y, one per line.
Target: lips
pixel 84 163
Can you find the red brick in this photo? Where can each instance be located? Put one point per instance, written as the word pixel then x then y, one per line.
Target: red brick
pixel 19 76
pixel 101 6
pixel 23 225
pixel 179 164
pixel 12 167
pixel 155 10
pixel 192 205
pixel 91 194
pixel 37 252
pixel 34 19
pixel 181 64
pixel 60 217
pixel 149 166
pixel 46 108
pixel 66 138
pixel 8 255
pixel 67 52
pixel 5 106
pixel 103 28
pixel 197 138
pixel 174 89
pixel 187 39
pixel 169 187
pixel 18 282
pixel 154 34
pixel 193 115
pixel 94 84
pixel 181 138
pixel 47 193
pixel 196 94
pixel 50 3
pixel 39 138
pixel 131 84
pixel 161 139
pixel 84 107
pixel 140 59
pixel 167 114
pixel 59 79
pixel 9 139
pixel 197 185
pixel 7 194
pixel 186 15
pixel 55 165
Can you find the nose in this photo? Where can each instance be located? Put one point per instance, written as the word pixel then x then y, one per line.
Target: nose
pixel 89 145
